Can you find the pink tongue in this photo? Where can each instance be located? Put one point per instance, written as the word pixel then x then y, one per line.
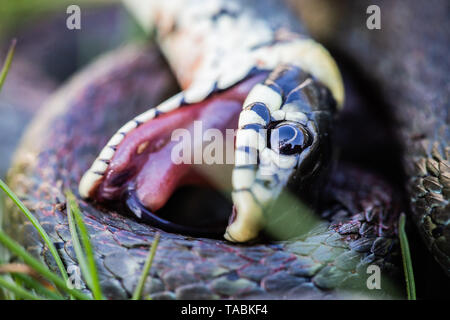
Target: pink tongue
pixel 144 157
pixel 159 177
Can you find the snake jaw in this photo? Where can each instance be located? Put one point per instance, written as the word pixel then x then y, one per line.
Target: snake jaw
pixel 140 153
pixel 248 218
pixel 285 98
pixel 290 102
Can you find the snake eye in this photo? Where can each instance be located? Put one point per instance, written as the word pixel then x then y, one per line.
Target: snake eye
pixel 289 138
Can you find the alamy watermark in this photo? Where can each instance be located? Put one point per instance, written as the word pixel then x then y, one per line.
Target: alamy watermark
pixel 73 21
pixel 204 147
pixel 74 280
pixel 213 146
pixel 374 20
pixel 374 280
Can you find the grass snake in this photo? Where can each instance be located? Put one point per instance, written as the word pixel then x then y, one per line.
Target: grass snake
pixel 359 209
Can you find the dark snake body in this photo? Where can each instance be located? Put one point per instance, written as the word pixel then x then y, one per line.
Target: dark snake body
pixel 185 267
pixel 407 59
pixel 359 226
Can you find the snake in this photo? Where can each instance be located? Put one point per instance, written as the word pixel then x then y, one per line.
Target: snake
pixel 239 66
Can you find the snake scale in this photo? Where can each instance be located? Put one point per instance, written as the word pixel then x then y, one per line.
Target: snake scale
pixel 417 92
pixel 359 216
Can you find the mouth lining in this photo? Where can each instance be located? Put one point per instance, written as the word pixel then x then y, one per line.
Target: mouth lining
pixel 151 181
pixel 181 198
pixel 175 197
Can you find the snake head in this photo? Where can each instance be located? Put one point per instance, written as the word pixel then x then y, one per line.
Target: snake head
pixel 282 144
pixel 283 119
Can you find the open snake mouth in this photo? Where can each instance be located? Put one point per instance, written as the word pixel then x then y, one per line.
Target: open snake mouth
pixel 278 118
pixel 190 198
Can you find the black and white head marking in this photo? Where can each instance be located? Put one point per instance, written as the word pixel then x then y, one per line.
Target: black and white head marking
pixel 277 133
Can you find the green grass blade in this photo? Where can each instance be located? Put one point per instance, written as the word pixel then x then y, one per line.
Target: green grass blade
pixel 38 227
pixel 19 251
pixel 7 63
pixel 4 294
pixel 148 264
pixel 77 246
pixel 407 262
pixel 38 287
pixel 96 288
pixel 87 263
pixel 18 290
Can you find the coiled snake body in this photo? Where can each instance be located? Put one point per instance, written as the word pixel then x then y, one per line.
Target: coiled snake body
pixel 360 210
